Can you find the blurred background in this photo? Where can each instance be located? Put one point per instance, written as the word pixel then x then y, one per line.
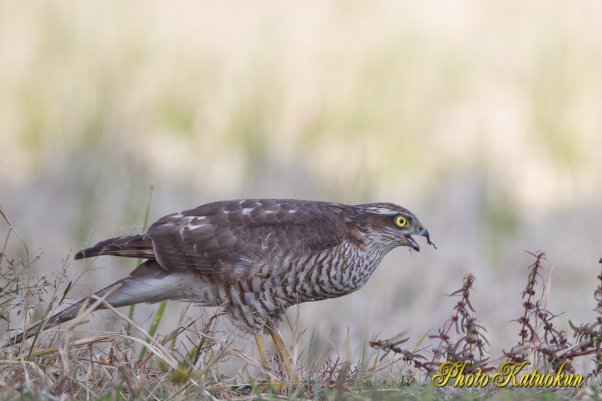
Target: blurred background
pixel 483 118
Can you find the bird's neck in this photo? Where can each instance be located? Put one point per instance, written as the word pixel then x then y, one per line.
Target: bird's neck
pixel 366 262
pixel 375 255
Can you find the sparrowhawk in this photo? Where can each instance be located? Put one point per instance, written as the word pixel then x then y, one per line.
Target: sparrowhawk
pixel 254 257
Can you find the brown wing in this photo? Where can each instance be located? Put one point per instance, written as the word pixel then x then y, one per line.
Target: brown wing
pixel 236 236
pixel 133 246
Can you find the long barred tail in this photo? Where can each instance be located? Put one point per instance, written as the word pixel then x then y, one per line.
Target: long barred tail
pixel 65 315
pixel 136 288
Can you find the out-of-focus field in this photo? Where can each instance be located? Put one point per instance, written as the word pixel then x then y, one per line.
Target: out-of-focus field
pixel 484 118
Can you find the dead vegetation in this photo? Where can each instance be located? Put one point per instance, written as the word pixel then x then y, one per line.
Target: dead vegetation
pixel 464 339
pixel 187 363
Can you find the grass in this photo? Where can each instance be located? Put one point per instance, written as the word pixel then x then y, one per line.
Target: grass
pixel 490 135
pixel 489 108
pixel 193 361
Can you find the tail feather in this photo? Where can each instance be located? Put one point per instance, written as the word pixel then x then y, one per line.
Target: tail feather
pixel 133 246
pixel 65 315
pixel 128 291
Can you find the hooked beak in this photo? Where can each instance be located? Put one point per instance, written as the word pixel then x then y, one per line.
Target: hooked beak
pixel 414 245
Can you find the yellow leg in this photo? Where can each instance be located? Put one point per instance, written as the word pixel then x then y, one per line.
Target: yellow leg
pixel 264 362
pixel 262 354
pixel 283 353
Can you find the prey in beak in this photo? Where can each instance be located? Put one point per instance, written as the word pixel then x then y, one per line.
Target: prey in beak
pixel 414 245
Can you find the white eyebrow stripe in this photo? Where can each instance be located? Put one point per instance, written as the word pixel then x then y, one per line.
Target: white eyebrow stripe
pixel 381 210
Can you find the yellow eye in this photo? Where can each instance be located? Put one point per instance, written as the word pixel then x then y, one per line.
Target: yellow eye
pixel 401 221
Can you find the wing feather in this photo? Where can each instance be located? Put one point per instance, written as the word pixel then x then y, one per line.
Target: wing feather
pixel 237 236
pixel 133 246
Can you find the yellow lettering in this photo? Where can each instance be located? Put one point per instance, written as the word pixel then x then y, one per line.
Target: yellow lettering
pixel 507 373
pixel 482 379
pixel 548 380
pixel 461 379
pixel 447 370
pixel 539 379
pixel 574 380
pixel 524 380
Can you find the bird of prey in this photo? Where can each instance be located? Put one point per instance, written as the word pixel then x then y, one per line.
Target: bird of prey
pixel 253 257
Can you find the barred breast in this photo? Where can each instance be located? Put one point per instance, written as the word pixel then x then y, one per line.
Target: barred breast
pixel 291 279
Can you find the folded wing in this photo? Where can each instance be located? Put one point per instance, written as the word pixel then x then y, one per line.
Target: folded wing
pixel 232 237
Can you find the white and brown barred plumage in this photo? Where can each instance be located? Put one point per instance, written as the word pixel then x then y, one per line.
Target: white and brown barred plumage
pixel 254 257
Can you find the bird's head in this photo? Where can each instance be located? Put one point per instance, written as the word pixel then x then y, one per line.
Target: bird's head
pixel 388 226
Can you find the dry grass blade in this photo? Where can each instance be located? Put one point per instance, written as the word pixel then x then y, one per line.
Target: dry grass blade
pixel 11 229
pixel 155 347
pixel 130 380
pixel 77 343
pixel 339 386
